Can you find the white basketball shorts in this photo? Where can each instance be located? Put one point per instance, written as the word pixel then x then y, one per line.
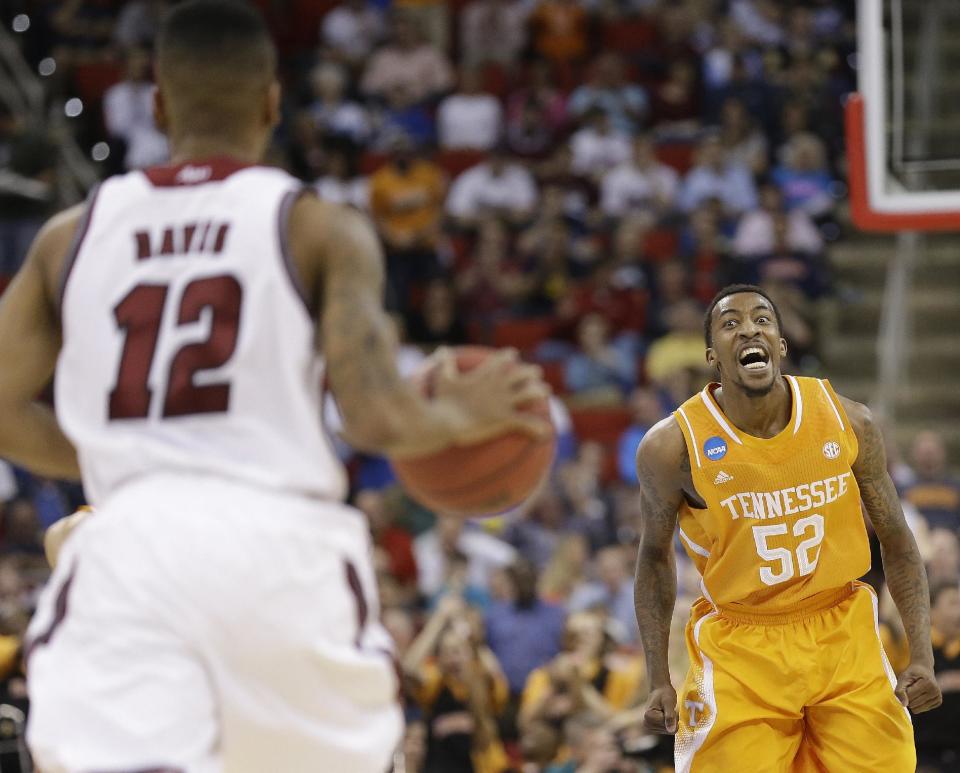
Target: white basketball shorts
pixel 197 625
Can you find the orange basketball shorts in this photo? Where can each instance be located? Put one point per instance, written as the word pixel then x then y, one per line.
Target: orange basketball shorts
pixel 796 694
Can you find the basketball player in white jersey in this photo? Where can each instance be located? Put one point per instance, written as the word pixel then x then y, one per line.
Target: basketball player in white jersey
pixel 218 612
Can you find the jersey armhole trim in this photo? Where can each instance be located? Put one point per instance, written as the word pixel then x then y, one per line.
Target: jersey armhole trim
pixel 833 405
pixel 693 437
pixel 75 244
pixel 290 267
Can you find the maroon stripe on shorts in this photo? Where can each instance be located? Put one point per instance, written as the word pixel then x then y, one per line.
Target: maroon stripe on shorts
pixel 59 613
pixel 353 582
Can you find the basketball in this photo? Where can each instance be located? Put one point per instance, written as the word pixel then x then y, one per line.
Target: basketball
pixel 486 478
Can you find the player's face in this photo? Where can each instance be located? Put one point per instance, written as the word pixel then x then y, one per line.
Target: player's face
pixel 747 347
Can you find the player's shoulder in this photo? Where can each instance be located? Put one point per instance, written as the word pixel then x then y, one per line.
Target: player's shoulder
pixel 663 446
pixel 861 417
pixel 52 244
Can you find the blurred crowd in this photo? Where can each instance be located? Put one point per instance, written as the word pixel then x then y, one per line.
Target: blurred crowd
pixel 574 178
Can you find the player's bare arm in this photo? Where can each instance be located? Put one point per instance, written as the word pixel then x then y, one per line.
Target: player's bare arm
pixel 662 468
pixel 29 346
pixel 917 687
pixel 341 264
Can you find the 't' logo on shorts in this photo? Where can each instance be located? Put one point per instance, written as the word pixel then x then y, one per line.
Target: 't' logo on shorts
pixel 715 448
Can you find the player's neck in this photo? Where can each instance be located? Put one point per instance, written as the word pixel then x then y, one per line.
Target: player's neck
pixel 195 148
pixel 762 416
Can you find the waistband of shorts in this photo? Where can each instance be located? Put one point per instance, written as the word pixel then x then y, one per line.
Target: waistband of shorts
pixel 808 607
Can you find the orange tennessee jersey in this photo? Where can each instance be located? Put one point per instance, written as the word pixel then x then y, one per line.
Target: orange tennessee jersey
pixel 783 520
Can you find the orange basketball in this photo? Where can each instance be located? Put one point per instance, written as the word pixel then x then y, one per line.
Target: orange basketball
pixel 485 478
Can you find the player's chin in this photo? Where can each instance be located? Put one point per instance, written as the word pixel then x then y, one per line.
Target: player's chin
pixel 758 381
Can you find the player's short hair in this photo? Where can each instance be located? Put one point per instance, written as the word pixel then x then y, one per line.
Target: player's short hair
pixel 215 56
pixel 734 290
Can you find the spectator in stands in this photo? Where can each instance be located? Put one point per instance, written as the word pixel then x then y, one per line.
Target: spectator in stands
pixel 598 371
pixel 682 348
pixel 803 177
pixel 449 538
pixel 439 319
pixel 760 21
pixel 406 198
pixel 393 540
pixel 417 68
pixel 493 31
pixel 672 284
pixel 497 187
pixel 27 191
pixel 128 114
pixel 943 555
pixel 492 284
pixel 538 531
pixel 333 114
pixel 598 147
pixel 756 231
pixel 938 743
pixel 469 118
pixel 935 492
pixel 611 591
pixel 540 96
pixel 559 30
pixel 593 747
pixel 646 409
pixel 525 632
pixel 742 140
pixel 459 686
pixel 401 115
pixel 675 106
pixel 340 182
pixel 640 184
pixel 586 675
pixel 138 23
pixel 566 569
pixel 352 30
pixel 715 176
pixel 626 104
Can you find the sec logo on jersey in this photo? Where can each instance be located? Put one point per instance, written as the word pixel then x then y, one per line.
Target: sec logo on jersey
pixel 831 450
pixel 715 448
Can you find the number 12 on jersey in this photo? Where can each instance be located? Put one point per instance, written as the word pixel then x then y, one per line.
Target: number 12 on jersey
pixel 140 316
pixel 783 556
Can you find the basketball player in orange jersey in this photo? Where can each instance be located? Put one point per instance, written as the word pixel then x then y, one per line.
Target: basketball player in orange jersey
pixel 218 612
pixel 763 475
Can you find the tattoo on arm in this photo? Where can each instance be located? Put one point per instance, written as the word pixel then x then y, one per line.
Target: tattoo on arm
pixel 655 588
pixel 902 565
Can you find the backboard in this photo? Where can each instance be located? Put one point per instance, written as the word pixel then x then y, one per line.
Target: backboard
pixel 903 124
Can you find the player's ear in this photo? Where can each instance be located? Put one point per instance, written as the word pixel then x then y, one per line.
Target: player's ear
pixel 783 348
pixel 712 359
pixel 160 118
pixel 272 114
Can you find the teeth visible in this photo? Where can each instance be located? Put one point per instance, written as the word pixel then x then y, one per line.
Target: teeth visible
pixel 755 366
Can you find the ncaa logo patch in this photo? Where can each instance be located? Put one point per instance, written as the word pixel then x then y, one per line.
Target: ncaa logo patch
pixel 715 448
pixel 831 450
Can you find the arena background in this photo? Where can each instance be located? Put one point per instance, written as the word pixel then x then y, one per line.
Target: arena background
pixel 574 178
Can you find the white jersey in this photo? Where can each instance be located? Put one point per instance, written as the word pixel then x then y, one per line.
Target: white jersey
pixel 188 345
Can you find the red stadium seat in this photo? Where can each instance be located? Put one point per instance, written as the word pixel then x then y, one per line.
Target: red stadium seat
pixel 662 244
pixel 679 155
pixel 553 375
pixel 628 35
pixel 92 79
pixel 456 161
pixel 370 162
pixel 523 334
pixel 603 426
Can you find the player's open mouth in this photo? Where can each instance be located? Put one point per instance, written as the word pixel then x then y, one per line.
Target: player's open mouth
pixel 753 358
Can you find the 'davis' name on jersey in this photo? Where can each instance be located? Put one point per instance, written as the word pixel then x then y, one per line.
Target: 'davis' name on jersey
pixel 203 238
pixel 787 501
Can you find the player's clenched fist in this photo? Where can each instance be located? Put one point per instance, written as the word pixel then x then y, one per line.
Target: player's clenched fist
pixel 660 713
pixel 917 688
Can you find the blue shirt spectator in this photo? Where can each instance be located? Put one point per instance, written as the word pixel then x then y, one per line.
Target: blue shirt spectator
pixel 526 632
pixel 647 410
pixel 626 104
pixel 714 177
